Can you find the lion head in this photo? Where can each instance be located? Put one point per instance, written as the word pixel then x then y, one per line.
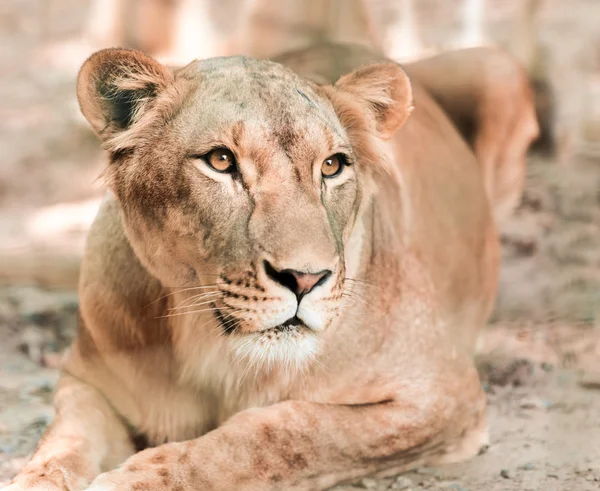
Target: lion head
pixel 240 177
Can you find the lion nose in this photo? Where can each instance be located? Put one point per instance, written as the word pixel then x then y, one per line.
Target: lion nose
pixel 299 282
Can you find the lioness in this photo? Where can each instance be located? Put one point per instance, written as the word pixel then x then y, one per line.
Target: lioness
pixel 284 287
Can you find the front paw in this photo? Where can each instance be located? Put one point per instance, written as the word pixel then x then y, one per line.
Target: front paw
pixel 65 472
pixel 38 482
pixel 122 480
pixel 40 487
pixel 150 470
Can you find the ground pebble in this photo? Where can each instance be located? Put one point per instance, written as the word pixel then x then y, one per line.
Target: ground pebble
pixel 590 380
pixel 535 403
pixel 505 474
pixel 368 483
pixel 402 482
pixel 455 487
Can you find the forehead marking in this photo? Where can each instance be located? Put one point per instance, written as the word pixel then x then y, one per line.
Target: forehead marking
pixel 329 125
pixel 287 134
pixel 312 104
pixel 237 132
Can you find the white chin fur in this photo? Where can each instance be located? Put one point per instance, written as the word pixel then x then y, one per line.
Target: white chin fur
pixel 275 349
pixel 310 317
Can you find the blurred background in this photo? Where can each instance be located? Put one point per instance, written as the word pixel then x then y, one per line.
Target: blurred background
pixel 540 357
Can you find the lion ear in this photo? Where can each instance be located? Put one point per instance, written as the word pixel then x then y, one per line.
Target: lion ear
pixel 116 86
pixel 385 89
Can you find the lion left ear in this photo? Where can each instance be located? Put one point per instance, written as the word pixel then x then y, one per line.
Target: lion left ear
pixel 386 90
pixel 116 86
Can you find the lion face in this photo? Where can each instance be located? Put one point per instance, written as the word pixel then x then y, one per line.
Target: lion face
pixel 241 180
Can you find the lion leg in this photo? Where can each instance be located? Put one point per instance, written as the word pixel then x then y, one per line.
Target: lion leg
pixel 85 439
pixel 304 445
pixel 487 95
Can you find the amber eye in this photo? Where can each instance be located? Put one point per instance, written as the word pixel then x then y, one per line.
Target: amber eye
pixel 332 166
pixel 221 160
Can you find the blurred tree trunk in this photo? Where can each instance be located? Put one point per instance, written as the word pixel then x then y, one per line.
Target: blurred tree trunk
pixel 270 28
pixel 173 30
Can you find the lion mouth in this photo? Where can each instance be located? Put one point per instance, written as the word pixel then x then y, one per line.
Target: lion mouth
pixel 293 322
pixel 292 325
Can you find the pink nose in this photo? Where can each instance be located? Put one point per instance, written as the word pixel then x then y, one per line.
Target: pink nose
pixel 306 281
pixel 298 282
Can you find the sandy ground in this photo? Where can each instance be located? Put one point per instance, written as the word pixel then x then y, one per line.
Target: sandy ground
pixel 539 358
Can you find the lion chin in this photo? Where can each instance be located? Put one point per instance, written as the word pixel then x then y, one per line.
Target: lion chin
pixel 271 342
pixel 289 346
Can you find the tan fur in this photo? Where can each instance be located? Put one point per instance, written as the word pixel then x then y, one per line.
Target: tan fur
pixel 177 340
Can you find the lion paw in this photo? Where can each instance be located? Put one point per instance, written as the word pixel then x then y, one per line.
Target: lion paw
pixel 154 469
pixel 47 478
pixel 39 485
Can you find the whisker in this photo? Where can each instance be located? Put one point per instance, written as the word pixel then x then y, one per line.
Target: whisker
pixel 363 283
pixel 361 291
pixel 315 360
pixel 224 317
pixel 356 288
pixel 231 322
pixel 188 313
pixel 357 280
pixel 353 293
pixel 183 290
pixel 348 295
pixel 323 363
pixel 254 361
pixel 216 328
pixel 196 304
pixel 240 348
pixel 193 299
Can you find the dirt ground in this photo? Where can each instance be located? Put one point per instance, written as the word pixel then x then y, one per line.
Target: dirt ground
pixel 540 356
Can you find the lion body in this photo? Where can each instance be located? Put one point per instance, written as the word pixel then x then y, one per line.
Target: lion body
pixel 419 263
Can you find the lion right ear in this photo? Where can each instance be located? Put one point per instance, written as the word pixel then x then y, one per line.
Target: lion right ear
pixel 116 86
pixel 385 90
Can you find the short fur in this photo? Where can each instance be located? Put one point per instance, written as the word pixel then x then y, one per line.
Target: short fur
pixel 179 347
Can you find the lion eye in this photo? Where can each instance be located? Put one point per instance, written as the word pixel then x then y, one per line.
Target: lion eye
pixel 221 160
pixel 332 166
